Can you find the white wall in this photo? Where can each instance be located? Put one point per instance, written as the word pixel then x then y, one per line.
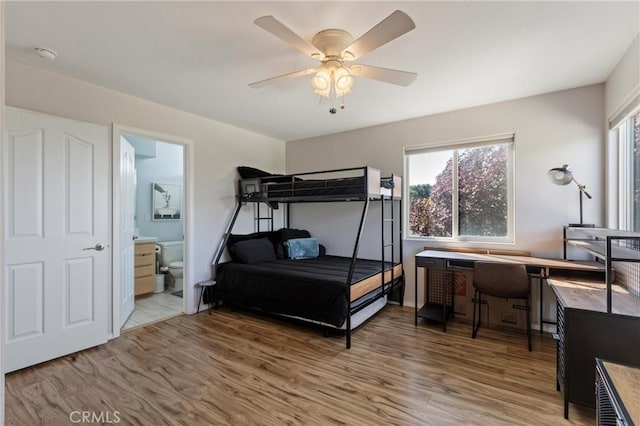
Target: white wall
pixel 551 129
pixel 218 148
pixel 622 93
pixel 624 82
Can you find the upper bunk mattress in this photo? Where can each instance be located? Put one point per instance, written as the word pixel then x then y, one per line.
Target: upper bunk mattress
pixel 309 288
pixel 358 183
pixel 315 188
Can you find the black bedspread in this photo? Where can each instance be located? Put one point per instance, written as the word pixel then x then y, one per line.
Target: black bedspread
pixel 313 289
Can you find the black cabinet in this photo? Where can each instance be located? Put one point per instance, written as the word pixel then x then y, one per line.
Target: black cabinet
pixel 595 319
pixel 584 335
pixel 617 399
pixel 438 284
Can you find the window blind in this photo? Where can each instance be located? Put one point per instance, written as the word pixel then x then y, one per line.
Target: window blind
pixel 460 144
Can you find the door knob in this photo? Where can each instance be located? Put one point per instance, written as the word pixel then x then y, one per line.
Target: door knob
pixel 97 247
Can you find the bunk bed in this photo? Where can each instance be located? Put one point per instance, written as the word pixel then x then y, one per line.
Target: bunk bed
pixel 333 291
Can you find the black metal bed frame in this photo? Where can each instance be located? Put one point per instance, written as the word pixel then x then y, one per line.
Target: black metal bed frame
pixel 258 196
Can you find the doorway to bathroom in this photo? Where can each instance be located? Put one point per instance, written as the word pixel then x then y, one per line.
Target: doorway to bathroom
pixel 152 211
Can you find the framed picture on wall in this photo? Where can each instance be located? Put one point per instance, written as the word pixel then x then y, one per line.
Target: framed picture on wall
pixel 166 201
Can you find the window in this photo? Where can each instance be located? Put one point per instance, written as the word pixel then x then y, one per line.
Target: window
pixel 629 173
pixel 461 190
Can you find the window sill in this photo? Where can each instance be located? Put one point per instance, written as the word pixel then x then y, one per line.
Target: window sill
pixel 471 242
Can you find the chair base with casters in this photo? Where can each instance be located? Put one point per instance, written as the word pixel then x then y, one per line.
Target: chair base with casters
pixel 489 278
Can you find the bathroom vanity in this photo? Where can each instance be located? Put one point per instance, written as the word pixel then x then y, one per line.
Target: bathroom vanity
pixel 145 265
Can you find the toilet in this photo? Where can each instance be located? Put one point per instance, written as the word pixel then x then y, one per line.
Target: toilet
pixel 171 253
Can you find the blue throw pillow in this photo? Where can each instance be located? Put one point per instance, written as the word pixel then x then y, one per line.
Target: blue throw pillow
pixel 302 248
pixel 286 234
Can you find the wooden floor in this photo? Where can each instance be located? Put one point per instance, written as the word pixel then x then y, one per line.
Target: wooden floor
pixel 234 368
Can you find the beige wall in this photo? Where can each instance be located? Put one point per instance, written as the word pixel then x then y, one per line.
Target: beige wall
pixel 218 148
pixel 550 129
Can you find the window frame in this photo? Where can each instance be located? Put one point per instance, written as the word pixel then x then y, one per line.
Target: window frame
pixel 621 181
pixel 456 145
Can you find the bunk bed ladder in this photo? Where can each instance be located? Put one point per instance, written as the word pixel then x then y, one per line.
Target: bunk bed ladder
pixel 356 248
pixel 392 229
pixel 258 219
pixel 384 245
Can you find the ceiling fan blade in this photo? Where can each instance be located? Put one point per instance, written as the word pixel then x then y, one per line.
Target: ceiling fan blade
pixel 390 28
pixel 278 29
pixel 401 78
pixel 278 79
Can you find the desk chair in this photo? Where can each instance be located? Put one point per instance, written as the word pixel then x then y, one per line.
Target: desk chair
pixel 504 280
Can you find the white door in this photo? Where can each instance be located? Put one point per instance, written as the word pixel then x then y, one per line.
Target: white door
pixel 127 211
pixel 57 255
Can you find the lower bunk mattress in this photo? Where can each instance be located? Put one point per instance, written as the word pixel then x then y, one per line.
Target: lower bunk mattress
pixel 311 289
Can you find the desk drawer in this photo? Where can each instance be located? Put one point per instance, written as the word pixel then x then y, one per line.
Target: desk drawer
pixel 429 262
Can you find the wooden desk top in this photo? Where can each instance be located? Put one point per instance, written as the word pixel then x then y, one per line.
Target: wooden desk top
pixel 452 255
pixel 592 296
pixel 626 381
pixel 525 260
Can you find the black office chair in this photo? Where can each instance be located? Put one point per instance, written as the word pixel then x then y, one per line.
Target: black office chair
pixel 504 280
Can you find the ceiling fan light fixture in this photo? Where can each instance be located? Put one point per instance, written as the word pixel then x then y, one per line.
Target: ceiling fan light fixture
pixel 324 93
pixel 343 80
pixel 332 78
pixel 321 82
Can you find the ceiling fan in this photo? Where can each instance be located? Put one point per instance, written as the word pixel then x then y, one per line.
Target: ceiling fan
pixel 334 47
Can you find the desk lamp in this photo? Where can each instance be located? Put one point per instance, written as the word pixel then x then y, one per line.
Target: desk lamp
pixel 563 176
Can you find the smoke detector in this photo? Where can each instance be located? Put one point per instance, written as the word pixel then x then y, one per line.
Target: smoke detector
pixel 45 53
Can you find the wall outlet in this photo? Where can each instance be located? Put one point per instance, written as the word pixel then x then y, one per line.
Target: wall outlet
pixel 147 217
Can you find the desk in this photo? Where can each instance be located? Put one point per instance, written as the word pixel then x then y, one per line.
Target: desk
pixel 586 332
pixel 537 267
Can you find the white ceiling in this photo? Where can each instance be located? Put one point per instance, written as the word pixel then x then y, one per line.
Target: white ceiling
pixel 200 56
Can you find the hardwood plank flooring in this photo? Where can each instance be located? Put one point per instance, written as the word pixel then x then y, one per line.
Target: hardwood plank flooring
pixel 234 368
